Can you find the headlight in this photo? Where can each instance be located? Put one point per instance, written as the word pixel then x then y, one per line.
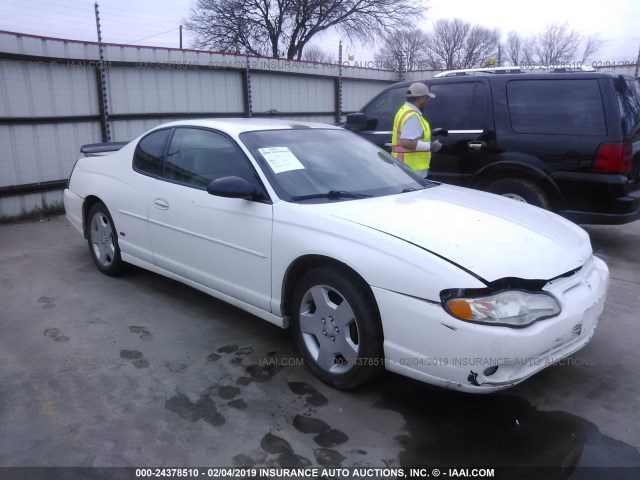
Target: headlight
pixel 513 308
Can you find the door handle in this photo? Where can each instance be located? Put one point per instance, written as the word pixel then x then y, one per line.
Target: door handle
pixel 476 145
pixel 161 204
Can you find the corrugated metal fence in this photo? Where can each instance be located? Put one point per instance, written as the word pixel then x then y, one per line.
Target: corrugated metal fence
pixel 52 102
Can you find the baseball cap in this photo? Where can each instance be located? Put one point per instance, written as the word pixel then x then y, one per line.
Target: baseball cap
pixel 419 90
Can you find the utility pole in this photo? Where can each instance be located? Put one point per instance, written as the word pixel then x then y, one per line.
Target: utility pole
pixel 247 76
pixel 180 37
pixel 339 102
pixel 106 133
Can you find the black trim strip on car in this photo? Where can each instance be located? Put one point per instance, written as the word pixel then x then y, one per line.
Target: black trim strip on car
pixel 477 277
pixel 497 285
pixel 432 302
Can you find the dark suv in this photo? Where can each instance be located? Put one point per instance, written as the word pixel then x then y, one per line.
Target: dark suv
pixel 568 142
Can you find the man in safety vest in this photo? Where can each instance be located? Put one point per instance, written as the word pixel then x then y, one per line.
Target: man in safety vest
pixel 411 141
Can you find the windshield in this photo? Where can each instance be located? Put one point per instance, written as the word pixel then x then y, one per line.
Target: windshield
pixel 327 165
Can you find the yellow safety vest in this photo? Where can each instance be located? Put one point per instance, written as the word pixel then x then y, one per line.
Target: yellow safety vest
pixel 417 159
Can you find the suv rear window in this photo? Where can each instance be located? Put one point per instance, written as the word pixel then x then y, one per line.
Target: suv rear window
pixel 561 107
pixel 628 93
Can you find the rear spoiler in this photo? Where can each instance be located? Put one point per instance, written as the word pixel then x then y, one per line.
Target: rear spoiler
pixel 98 149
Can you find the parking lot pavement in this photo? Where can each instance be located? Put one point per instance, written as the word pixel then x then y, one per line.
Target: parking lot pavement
pixel 140 370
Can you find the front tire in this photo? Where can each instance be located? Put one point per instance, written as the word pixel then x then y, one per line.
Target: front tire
pixel 336 325
pixel 103 240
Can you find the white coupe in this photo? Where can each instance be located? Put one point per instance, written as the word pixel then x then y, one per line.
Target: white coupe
pixel 309 225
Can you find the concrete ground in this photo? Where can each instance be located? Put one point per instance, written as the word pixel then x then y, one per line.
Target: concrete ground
pixel 140 370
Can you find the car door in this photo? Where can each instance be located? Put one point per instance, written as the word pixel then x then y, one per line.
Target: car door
pixel 221 243
pixel 130 205
pixel 463 108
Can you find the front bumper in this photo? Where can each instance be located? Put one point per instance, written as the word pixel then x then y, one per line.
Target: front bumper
pixel 422 341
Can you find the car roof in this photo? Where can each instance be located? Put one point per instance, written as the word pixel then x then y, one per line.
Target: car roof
pixel 511 76
pixel 503 77
pixel 236 126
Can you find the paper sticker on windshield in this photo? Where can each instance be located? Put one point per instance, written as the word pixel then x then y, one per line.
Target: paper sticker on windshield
pixel 280 159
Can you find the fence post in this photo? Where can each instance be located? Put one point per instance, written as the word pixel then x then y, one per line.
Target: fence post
pixel 102 86
pixel 248 106
pixel 338 94
pixel 104 125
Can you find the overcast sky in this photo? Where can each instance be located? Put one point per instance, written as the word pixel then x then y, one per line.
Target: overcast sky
pixel 156 22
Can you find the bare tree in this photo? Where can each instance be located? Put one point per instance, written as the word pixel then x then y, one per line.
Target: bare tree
pixel 455 44
pixel 557 44
pixel 520 50
pixel 527 55
pixel 515 45
pixel 313 53
pixel 406 48
pixel 481 44
pixel 446 42
pixel 284 27
pixel 591 46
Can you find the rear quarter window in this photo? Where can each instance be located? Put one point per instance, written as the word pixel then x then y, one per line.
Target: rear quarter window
pixel 556 107
pixel 628 94
pixel 147 158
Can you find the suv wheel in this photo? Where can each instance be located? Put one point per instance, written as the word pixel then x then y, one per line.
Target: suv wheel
pixel 521 190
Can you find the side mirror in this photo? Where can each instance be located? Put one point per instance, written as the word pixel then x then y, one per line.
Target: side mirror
pixel 439 132
pixel 232 187
pixel 356 122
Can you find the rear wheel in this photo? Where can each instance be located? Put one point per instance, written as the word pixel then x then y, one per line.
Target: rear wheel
pixel 521 190
pixel 103 240
pixel 337 328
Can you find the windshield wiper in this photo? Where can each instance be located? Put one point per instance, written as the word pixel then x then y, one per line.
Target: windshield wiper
pixel 428 184
pixel 331 195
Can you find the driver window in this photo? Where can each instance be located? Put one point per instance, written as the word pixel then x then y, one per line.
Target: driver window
pixel 384 108
pixel 197 156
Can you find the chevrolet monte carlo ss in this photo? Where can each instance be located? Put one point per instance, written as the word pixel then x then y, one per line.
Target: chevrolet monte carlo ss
pixel 310 226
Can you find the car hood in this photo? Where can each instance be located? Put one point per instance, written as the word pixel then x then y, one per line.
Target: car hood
pixel 491 236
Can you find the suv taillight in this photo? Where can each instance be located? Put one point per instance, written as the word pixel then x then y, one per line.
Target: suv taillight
pixel 613 158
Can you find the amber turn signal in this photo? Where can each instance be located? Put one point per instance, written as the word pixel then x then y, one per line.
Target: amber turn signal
pixel 460 308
